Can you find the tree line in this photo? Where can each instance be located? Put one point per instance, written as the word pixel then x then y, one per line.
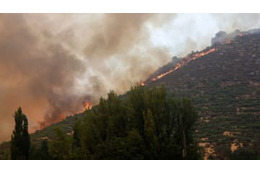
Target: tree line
pixel 145 123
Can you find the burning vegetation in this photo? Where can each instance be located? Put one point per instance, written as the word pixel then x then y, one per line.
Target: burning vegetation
pixel 221 38
pixel 87 105
pixel 182 63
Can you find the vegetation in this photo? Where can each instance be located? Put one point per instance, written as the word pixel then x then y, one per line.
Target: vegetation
pixel 145 123
pixel 223 87
pixel 60 148
pixel 244 154
pixel 20 143
pixel 41 153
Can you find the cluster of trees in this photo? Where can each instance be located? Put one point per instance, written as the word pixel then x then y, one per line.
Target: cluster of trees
pixel 143 124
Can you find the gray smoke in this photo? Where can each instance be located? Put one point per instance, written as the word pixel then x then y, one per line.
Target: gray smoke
pixel 50 64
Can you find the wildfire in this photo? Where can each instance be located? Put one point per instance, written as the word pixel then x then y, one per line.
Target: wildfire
pixel 162 75
pixel 58 117
pixel 142 83
pixel 200 54
pixel 183 62
pixel 87 105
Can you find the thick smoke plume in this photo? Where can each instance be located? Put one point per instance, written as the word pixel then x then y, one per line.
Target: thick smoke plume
pixel 51 64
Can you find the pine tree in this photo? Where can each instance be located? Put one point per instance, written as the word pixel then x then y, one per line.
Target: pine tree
pixel 20 139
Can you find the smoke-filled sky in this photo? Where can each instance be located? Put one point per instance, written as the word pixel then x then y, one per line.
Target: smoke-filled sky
pixel 50 64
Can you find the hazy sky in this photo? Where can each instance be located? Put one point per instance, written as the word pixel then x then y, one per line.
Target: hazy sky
pixel 50 64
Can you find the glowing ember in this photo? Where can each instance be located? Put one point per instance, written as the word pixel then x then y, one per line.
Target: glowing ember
pixel 183 62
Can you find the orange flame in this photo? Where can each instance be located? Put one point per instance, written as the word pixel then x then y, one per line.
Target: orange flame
pixel 87 105
pixel 183 62
pixel 61 116
pixel 142 83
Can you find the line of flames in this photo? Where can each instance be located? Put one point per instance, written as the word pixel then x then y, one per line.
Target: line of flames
pixel 86 106
pixel 183 62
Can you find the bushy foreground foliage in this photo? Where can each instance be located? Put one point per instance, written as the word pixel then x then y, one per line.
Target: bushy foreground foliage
pixel 144 124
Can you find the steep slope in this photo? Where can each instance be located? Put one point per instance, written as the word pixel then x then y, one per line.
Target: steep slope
pixel 224 87
pixel 223 83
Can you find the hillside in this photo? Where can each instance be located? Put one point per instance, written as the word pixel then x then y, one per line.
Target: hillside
pixel 224 87
pixel 48 133
pixel 222 82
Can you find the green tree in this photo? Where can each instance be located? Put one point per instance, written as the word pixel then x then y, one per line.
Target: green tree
pixel 44 150
pixel 150 136
pixel 145 123
pixel 244 154
pixel 185 119
pixel 20 139
pixel 41 152
pixel 60 147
